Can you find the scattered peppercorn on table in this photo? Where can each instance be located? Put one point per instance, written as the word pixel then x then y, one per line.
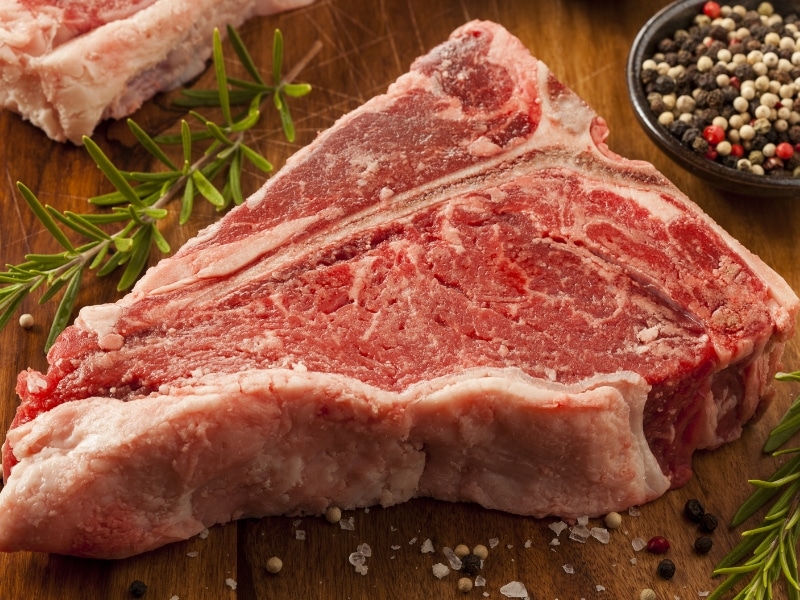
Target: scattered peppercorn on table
pixel 398 552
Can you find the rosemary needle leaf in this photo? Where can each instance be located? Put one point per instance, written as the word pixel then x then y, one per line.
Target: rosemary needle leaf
pixel 83 226
pixel 186 141
pixel 762 495
pixel 207 189
pixel 149 144
pixel 138 257
pixel 256 159
pixel 112 263
pixel 243 54
pixel 286 120
pixel 235 178
pixel 65 308
pixel 111 172
pixel 277 56
pixel 123 244
pixel 187 202
pixel 222 78
pixel 10 305
pixel 785 429
pixel 296 90
pixel 42 214
pixel 160 241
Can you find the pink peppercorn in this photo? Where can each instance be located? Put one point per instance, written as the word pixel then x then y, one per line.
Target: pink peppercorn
pixel 658 545
pixel 784 150
pixel 712 10
pixel 737 150
pixel 714 134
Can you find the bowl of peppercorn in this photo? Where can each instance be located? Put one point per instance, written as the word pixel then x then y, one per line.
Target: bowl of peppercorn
pixel 717 87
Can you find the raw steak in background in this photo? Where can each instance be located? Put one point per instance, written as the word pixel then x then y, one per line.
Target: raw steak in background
pixel 67 65
pixel 456 291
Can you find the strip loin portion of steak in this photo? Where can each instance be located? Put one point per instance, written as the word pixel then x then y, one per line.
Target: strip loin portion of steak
pixel 457 291
pixel 67 65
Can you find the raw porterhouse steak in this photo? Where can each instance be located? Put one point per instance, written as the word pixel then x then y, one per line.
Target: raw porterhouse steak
pixel 457 291
pixel 66 65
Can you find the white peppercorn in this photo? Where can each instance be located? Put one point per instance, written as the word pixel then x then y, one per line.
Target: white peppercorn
pixel 613 520
pixel 274 565
pixel 647 594
pixel 26 321
pixel 724 148
pixel 704 63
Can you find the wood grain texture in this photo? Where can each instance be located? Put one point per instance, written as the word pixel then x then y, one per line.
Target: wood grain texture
pixel 366 45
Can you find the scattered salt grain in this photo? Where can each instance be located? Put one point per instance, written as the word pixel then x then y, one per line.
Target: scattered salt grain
pixel 514 589
pixel 480 581
pixel 555 542
pixel 192 554
pixel 450 555
pixel 634 511
pixel 493 542
pixel 203 534
pixel 358 559
pixel 347 524
pixel 299 534
pixel 600 534
pixel 703 594
pixel 568 569
pixel 395 547
pixel 600 588
pixel 558 527
pixel 412 541
pixel 633 561
pixel 579 533
pixel 584 520
pixel 440 570
pixel 528 543
pixel 364 549
pixel 427 546
pixel 638 544
pixel 231 583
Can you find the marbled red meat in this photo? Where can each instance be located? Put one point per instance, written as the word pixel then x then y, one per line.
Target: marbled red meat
pixel 456 291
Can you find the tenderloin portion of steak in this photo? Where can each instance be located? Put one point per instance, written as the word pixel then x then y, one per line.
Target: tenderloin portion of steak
pixel 457 291
pixel 66 65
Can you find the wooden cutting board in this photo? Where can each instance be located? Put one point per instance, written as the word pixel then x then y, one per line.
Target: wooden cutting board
pixel 366 44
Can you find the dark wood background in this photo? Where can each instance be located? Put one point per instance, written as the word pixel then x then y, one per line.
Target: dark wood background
pixel 366 44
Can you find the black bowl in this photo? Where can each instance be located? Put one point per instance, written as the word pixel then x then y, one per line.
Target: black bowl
pixel 679 15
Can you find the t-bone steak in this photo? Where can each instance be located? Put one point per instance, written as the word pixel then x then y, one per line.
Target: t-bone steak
pixel 66 65
pixel 457 291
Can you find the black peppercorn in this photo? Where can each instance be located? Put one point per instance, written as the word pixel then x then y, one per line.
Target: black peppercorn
pixel 702 545
pixel 664 84
pixel 666 569
pixel 709 522
pixel 137 588
pixel 694 510
pixel 470 564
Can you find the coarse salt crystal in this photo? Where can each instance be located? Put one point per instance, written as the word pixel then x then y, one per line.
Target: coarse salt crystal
pixel 365 549
pixel 634 511
pixel 633 561
pixel 231 583
pixel 558 527
pixel 361 569
pixel 528 543
pixel 600 534
pixel 579 533
pixel 480 581
pixel 175 598
pixel 584 520
pixel 555 542
pixel 638 544
pixel 703 594
pixel 493 542
pixel 440 570
pixel 192 554
pixel 600 588
pixel 427 546
pixel 568 569
pixel 514 589
pixel 348 524
pixel 203 534
pixel 395 547
pixel 450 555
pixel 300 534
pixel 412 541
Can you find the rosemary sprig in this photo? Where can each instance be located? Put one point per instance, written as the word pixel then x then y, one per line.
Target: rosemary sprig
pixel 767 554
pixel 139 200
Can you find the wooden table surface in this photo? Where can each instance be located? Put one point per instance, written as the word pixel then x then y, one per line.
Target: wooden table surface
pixel 366 45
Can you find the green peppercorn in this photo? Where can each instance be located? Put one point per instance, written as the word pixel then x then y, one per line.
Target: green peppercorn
pixel 666 569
